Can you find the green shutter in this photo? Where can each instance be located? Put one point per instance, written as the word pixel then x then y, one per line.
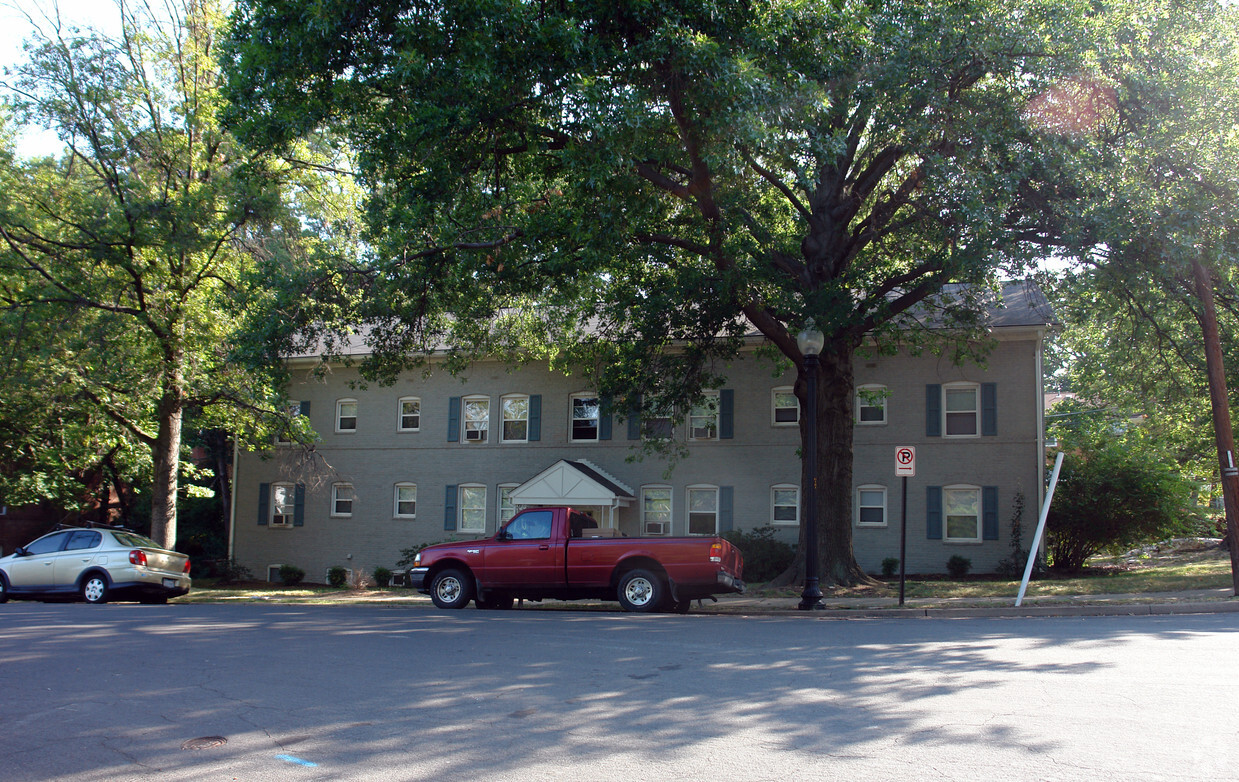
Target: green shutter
pixel 989 513
pixel 726 414
pixel 449 509
pixel 933 410
pixel 264 503
pixel 303 408
pixel 933 512
pixel 453 419
pixel 535 418
pixel 634 420
pixel 989 409
pixel 299 505
pixel 726 502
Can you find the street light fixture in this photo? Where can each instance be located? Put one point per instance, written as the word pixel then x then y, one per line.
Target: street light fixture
pixel 810 341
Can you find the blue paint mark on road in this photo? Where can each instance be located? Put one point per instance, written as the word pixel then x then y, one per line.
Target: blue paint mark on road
pixel 296 761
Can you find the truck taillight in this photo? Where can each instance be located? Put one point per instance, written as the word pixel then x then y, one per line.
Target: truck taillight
pixel 716 552
pixel 186 570
pixel 137 557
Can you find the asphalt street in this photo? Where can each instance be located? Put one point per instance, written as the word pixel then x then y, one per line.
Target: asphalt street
pixel 253 692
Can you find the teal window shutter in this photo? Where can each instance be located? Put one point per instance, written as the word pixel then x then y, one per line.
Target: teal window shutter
pixel 604 418
pixel 634 420
pixel 933 410
pixel 989 409
pixel 453 419
pixel 449 508
pixel 535 418
pixel 264 503
pixel 989 513
pixel 726 414
pixel 726 502
pixel 299 505
pixel 933 513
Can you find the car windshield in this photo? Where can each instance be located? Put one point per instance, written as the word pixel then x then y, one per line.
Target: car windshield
pixel 131 539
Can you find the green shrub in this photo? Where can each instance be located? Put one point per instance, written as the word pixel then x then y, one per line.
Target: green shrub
pixel 382 577
pixel 337 576
pixel 764 556
pixel 231 572
pixel 958 566
pixel 889 566
pixel 291 575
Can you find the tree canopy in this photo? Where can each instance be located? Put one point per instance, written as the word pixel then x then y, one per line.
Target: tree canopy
pixel 607 179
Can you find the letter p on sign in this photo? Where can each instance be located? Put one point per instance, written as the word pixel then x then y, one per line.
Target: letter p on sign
pixel 905 461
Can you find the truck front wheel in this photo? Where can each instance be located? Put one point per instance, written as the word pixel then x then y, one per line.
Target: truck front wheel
pixel 451 589
pixel 640 590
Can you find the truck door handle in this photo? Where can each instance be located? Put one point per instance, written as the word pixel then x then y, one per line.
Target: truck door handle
pixel 544 547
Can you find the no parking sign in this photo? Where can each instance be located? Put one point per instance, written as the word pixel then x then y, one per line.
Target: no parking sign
pixel 905 461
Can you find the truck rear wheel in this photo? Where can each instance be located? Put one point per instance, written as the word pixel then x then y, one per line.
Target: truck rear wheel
pixel 451 589
pixel 640 590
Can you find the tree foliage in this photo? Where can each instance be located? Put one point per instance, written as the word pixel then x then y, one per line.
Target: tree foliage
pixel 603 180
pixel 120 260
pixel 1118 488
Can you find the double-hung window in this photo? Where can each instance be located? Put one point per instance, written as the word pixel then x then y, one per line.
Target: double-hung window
pixel 961 507
pixel 475 421
pixel 409 414
pixel 342 500
pixel 785 505
pixel 703 418
pixel 472 507
pixel 405 501
pixel 786 408
pixel 703 510
pixel 283 504
pixel 346 415
pixel 507 509
pixel 871 405
pixel 515 418
pixel 871 506
pixel 962 409
pixel 656 510
pixel 585 418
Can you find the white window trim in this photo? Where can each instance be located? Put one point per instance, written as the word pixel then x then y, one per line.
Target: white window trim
pixel 774 397
pixel 859 400
pixel 336 489
pixel 783 522
pixel 946 526
pixel 400 427
pixel 357 409
pixel 503 438
pixel 500 520
pixel 274 570
pixel 710 398
pixel 572 438
pixel 688 508
pixel 976 389
pixel 670 521
pixel 460 508
pixel 291 507
pixel 464 420
pixel 885 505
pixel 395 508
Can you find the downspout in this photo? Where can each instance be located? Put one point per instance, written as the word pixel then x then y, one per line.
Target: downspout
pixel 232 511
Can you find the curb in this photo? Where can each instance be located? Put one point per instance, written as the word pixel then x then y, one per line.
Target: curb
pixel 1120 609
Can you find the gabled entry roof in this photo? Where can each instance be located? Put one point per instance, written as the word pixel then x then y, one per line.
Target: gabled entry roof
pixel 578 483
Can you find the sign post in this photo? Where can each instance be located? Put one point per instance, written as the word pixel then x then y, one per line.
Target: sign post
pixel 905 467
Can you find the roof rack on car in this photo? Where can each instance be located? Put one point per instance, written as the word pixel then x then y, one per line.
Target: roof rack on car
pixel 92 525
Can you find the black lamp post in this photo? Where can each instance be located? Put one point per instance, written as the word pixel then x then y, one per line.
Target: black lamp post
pixel 810 342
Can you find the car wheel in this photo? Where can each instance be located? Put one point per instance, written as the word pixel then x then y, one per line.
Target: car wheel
pixel 498 601
pixel 640 590
pixel 95 589
pixel 451 589
pixel 4 589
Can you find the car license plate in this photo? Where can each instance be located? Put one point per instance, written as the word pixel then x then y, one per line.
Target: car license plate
pixel 170 583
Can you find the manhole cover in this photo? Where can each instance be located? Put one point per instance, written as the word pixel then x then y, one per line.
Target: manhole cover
pixel 205 742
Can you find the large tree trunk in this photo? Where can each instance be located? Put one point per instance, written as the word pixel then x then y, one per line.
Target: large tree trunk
pixel 166 454
pixel 833 496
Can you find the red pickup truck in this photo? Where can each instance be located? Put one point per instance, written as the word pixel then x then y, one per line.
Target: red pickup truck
pixel 562 554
